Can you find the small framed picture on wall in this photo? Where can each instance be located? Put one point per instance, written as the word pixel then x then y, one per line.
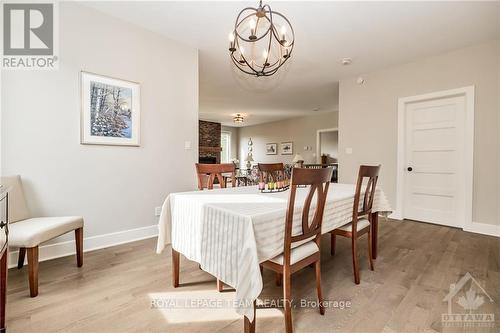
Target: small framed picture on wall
pixel 271 149
pixel 287 148
pixel 110 111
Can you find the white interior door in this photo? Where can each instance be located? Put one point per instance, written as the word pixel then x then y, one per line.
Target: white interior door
pixel 435 152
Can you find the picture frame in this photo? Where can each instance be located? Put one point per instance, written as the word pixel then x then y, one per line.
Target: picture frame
pixel 287 148
pixel 110 111
pixel 271 149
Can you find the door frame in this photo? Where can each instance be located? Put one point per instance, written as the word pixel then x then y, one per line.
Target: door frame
pixel 318 141
pixel 468 93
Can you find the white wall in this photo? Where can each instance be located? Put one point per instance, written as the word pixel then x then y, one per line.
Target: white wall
pixel 368 118
pixel 114 188
pixel 301 131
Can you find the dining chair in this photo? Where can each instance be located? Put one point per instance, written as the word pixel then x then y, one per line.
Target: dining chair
pixel 207 173
pixel 360 223
pixel 302 242
pixel 27 232
pixel 271 171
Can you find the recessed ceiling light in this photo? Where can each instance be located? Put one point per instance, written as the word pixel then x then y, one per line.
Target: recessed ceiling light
pixel 346 61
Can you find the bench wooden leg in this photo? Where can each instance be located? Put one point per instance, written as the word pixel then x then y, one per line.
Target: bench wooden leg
pixel 33 270
pixel 20 260
pixel 79 246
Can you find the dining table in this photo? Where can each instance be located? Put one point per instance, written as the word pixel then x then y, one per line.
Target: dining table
pixel 230 231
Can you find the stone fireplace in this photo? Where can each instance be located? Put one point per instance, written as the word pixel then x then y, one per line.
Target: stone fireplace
pixel 209 142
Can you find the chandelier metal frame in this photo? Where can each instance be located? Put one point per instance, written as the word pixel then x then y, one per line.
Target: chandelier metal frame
pixel 285 47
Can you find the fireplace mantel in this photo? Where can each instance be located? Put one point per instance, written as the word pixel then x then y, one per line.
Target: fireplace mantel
pixel 204 149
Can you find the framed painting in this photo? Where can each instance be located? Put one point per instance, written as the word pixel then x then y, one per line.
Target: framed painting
pixel 286 148
pixel 271 148
pixel 111 111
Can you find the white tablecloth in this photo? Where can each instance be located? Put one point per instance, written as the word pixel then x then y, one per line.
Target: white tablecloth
pixel 230 231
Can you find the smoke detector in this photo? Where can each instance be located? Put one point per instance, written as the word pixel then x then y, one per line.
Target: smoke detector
pixel 346 61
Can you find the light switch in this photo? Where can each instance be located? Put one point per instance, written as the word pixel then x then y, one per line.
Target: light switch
pixel 348 151
pixel 187 144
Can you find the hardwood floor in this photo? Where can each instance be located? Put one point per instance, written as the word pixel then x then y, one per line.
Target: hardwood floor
pixel 115 288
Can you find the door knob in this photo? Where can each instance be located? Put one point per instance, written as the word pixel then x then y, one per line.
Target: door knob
pixel 2 224
pixel 410 169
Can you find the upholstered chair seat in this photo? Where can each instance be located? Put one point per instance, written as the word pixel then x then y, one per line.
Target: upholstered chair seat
pixel 26 232
pixel 34 231
pixel 298 253
pixel 362 223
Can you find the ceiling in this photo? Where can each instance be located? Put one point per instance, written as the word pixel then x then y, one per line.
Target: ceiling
pixel 374 34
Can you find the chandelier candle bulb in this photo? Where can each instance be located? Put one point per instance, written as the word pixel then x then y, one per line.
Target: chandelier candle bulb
pixel 286 55
pixel 231 42
pixel 242 51
pixel 265 56
pixel 252 25
pixel 283 34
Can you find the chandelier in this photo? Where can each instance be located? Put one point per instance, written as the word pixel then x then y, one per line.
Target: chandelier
pixel 238 118
pixel 261 42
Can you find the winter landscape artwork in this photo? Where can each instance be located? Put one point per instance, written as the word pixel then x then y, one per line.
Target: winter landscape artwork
pixel 110 111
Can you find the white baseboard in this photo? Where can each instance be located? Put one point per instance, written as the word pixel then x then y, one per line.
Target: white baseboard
pixel 483 228
pixel 476 227
pixel 62 249
pixel 395 216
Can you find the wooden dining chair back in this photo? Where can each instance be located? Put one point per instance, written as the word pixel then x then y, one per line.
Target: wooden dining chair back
pixel 271 171
pixel 361 216
pixel 301 246
pixel 318 181
pixel 370 173
pixel 207 173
